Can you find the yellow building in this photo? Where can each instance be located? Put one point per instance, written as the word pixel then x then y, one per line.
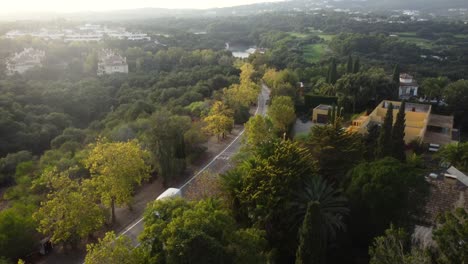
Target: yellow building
pixel 420 123
pixel 320 114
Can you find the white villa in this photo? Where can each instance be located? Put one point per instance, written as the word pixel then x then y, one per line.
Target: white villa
pixel 408 86
pixel 111 62
pixel 24 61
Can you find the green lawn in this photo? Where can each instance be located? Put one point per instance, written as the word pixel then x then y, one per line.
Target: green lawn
pixel 314 52
pixel 326 37
pixel 461 36
pixel 423 43
pixel 405 34
pixel 297 34
pixel 412 38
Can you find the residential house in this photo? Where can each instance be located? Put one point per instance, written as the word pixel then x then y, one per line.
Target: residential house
pixel 421 124
pixel 24 61
pixel 408 87
pixel 320 114
pixel 111 62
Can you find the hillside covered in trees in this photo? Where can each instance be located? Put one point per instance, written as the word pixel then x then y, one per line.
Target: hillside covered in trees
pixel 75 147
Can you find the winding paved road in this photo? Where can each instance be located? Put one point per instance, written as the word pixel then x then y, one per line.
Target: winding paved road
pixel 218 164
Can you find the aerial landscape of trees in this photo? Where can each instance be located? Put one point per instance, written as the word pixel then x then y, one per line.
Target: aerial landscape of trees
pixel 76 147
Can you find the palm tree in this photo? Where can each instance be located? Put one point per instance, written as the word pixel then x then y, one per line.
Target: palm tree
pixel 333 206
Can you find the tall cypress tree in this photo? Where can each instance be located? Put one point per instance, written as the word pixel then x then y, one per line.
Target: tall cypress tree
pixel 396 74
pixel 349 66
pixel 384 143
pixel 312 245
pixel 398 135
pixel 332 72
pixel 357 65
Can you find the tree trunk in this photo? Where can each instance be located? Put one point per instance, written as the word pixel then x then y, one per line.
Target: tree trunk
pixel 112 211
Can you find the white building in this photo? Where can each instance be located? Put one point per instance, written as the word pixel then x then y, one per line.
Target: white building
pixel 408 86
pixel 82 37
pixel 24 61
pixel 111 62
pixel 87 32
pixel 129 35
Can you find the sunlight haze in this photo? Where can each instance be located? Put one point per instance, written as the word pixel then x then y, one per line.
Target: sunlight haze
pixel 105 5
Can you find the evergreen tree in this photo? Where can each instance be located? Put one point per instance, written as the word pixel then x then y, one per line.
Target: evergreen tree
pixel 384 143
pixel 332 72
pixel 349 66
pixel 398 135
pixel 357 65
pixel 312 246
pixel 396 74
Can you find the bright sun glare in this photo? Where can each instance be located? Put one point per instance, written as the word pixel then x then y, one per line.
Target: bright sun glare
pixel 104 5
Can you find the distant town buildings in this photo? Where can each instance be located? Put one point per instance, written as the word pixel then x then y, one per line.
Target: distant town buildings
pixel 408 86
pixel 24 61
pixel 111 62
pixel 87 32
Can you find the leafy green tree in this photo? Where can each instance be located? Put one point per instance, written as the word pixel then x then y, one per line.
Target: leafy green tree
pixel 332 204
pixel 321 209
pixel 220 120
pixel 281 83
pixel 394 247
pixel 349 65
pixel 258 130
pixel 456 96
pixel 198 232
pixel 115 169
pixel 169 144
pixel 266 189
pixel 17 231
pixel 332 72
pixel 357 65
pixel 455 154
pixel 113 249
pixel 334 150
pixel 398 135
pixel 358 88
pixel 384 143
pixel 248 246
pixel 451 234
pixel 281 113
pixel 396 75
pixel 383 192
pixel 312 246
pixel 70 212
pixel 8 165
pixel 433 88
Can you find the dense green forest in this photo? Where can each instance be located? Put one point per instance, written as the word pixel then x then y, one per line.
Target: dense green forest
pixel 74 146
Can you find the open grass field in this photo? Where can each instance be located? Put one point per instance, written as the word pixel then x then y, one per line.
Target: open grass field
pixel 297 34
pixel 326 37
pixel 423 43
pixel 314 52
pixel 412 38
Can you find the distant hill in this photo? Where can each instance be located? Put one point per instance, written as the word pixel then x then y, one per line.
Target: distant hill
pixel 436 6
pixel 403 4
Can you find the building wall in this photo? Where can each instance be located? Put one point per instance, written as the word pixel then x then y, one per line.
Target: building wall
pixel 317 112
pixel 115 69
pixel 416 122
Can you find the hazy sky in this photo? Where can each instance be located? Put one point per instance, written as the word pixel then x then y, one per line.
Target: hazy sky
pixel 104 5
